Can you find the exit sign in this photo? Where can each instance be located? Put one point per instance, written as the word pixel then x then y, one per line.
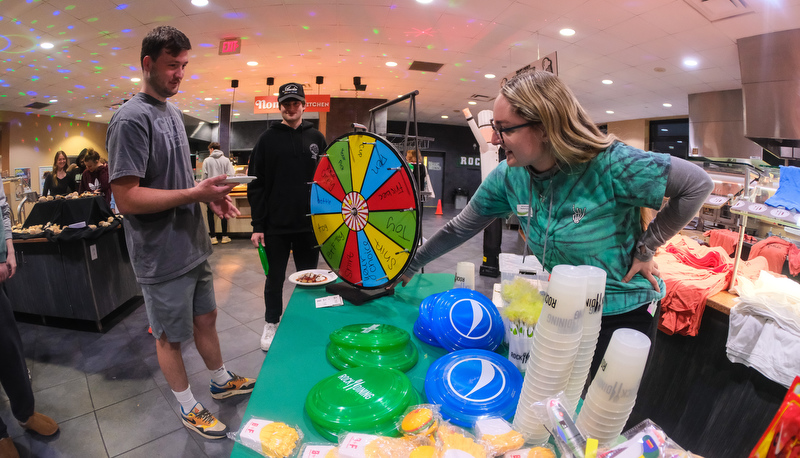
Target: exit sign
pixel 230 46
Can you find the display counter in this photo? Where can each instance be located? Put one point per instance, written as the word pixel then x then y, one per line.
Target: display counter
pixel 296 360
pixel 84 279
pixel 702 401
pixel 705 402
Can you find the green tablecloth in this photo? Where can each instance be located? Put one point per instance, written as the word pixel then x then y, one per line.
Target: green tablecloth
pixel 296 360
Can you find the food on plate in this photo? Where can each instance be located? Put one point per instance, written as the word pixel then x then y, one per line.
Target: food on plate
pixel 311 277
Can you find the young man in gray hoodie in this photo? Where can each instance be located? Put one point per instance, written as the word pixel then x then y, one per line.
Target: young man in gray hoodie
pixel 217 164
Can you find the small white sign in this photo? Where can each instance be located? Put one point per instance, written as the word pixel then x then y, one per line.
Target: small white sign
pixel 329 301
pixel 93 251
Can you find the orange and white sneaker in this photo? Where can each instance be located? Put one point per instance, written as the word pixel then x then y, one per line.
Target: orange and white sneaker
pixel 236 385
pixel 203 423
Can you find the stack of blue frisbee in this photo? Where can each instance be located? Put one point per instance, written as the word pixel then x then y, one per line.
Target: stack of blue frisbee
pixel 459 319
pixel 473 384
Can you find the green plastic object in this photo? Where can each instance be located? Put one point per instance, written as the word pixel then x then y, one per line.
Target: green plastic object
pixel 370 336
pixel 263 255
pixel 366 400
pixel 401 359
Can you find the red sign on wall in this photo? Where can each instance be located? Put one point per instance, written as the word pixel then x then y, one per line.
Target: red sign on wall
pixel 230 46
pixel 269 104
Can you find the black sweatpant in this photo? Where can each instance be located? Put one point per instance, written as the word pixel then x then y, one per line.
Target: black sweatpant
pixel 277 248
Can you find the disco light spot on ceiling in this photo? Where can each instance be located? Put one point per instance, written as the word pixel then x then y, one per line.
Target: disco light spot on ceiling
pixel 207 45
pixel 233 15
pixel 79 86
pixel 122 6
pixel 56 13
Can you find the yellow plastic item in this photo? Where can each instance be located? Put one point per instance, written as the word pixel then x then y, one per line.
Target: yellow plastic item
pixel 541 452
pixel 419 422
pixel 424 451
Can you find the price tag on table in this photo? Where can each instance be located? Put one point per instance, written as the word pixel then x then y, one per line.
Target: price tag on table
pixel 329 301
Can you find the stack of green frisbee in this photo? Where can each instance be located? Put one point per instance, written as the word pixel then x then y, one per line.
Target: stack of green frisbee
pixel 361 400
pixel 376 345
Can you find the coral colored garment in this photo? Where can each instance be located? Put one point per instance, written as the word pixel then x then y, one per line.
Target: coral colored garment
pixel 726 239
pixel 776 250
pixel 692 274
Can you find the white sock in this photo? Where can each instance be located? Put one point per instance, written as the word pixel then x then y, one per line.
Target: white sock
pixel 186 399
pixel 220 376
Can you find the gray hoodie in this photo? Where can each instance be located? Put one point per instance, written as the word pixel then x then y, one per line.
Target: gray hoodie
pixel 217 164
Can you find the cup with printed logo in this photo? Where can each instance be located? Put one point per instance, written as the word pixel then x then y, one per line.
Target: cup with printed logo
pixel 465 275
pixel 565 301
pixel 595 295
pixel 620 373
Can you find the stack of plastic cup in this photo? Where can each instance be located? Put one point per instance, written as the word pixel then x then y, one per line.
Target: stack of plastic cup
pixel 592 314
pixel 556 339
pixel 612 394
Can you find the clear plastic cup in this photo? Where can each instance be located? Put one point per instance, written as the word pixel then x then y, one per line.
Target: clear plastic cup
pixel 595 295
pixel 565 300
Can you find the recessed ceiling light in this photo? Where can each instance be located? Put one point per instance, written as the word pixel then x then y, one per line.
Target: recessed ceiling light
pixel 53 101
pixel 252 63
pixel 199 2
pixel 608 82
pixel 208 98
pixel 135 80
pixel 489 75
pixel 424 1
pixel 391 64
pixel 98 116
pixel 472 102
pixel 567 32
pixel 667 105
pixel 236 114
pixel 46 45
pixel 690 62
pixel 185 111
pixel 445 117
pixel 609 112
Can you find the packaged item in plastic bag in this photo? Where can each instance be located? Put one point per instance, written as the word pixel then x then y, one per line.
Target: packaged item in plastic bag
pixel 554 413
pixel 272 439
pixel 358 445
pixel 782 436
pixel 451 438
pixel 497 435
pixel 318 450
pixel 645 439
pixel 420 420
pixel 534 452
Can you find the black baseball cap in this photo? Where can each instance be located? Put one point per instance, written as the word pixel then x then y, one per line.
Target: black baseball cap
pixel 291 91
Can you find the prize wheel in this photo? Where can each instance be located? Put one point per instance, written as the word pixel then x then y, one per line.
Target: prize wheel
pixel 364 208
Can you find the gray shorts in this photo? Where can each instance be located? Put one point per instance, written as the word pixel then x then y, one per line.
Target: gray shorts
pixel 173 304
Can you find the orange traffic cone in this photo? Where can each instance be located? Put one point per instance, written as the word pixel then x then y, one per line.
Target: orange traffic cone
pixel 439 207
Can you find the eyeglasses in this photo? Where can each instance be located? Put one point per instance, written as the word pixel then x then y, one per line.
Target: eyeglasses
pixel 499 130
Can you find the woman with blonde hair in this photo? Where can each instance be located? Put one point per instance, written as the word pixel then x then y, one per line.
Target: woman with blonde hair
pixel 578 194
pixel 60 181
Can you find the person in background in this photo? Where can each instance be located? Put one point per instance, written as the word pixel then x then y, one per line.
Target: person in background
pixel 95 177
pixel 154 187
pixel 13 370
pixel 283 162
pixel 78 167
pixel 59 182
pixel 581 193
pixel 420 174
pixel 216 164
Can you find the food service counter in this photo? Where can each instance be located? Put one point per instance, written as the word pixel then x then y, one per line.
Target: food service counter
pixel 83 279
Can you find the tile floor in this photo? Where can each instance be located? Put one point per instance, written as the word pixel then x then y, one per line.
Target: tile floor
pixel 108 394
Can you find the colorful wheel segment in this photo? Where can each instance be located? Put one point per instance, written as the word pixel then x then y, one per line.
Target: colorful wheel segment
pixel 364 208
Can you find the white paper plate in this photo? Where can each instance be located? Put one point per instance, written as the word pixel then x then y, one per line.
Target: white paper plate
pixel 329 277
pixel 239 180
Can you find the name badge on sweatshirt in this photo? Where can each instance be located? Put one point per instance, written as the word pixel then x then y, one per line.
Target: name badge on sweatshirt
pixel 523 210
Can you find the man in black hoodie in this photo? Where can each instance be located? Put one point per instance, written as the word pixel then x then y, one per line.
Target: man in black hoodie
pixel 283 162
